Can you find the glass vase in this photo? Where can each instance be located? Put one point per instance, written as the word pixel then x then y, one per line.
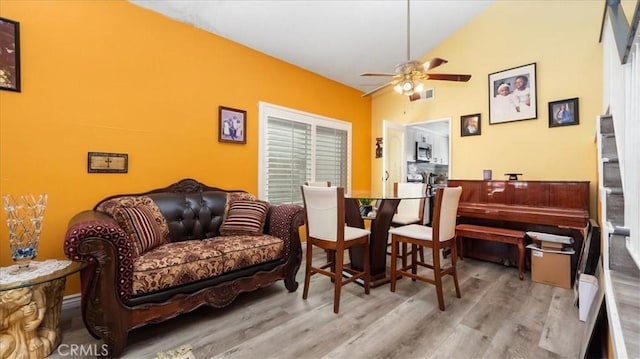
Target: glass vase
pixel 24 220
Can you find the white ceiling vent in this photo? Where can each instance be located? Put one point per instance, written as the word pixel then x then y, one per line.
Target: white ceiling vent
pixel 426 94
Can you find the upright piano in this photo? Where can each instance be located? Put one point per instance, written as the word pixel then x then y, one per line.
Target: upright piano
pixel 556 207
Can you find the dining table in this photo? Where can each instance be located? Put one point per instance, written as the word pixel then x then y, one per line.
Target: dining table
pixel 380 222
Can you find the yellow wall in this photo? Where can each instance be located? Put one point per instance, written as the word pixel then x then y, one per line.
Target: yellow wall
pixel 561 37
pixel 109 76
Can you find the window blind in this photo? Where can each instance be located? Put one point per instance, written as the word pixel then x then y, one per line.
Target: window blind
pixel 296 147
pixel 288 147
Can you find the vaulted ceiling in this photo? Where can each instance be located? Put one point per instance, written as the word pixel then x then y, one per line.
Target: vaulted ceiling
pixel 337 39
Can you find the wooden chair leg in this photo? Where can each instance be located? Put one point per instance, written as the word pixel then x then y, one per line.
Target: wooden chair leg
pixel 307 271
pixel 338 280
pixel 437 274
pixel 394 262
pixel 414 260
pixel 454 260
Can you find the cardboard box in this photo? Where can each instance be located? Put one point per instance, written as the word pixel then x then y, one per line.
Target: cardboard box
pixel 551 267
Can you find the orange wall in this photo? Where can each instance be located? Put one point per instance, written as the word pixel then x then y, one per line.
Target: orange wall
pixel 109 76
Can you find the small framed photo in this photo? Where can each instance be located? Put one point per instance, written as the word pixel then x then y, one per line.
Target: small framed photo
pixel 512 95
pixel 9 55
pixel 232 126
pixel 470 125
pixel 564 113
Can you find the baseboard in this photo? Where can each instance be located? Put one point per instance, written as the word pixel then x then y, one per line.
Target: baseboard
pixel 71 302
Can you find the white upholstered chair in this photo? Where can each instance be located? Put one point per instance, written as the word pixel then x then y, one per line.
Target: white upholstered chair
pixel 441 235
pixel 318 184
pixel 410 211
pixel 326 229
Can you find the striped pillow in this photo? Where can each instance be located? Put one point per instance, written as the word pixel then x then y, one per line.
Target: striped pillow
pixel 245 218
pixel 145 230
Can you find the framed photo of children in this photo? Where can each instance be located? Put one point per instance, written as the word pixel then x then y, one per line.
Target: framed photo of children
pixel 470 125
pixel 9 55
pixel 564 113
pixel 512 94
pixel 232 125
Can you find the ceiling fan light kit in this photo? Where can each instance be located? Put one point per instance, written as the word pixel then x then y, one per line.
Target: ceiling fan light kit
pixel 408 87
pixel 407 75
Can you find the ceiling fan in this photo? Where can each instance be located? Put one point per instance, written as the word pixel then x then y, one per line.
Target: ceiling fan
pixel 407 75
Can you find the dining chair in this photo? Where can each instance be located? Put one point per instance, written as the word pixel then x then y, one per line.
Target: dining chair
pixel 410 211
pixel 318 183
pixel 442 235
pixel 325 225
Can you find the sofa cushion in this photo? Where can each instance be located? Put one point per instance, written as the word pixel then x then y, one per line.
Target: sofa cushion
pixel 179 263
pixel 140 217
pixel 245 218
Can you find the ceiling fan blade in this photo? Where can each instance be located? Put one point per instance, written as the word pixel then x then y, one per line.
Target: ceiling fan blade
pixel 449 77
pixel 376 74
pixel 433 63
pixel 377 89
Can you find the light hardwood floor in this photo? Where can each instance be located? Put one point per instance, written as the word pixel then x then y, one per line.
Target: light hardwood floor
pixel 498 316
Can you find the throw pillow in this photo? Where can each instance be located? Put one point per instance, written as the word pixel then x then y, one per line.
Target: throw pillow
pixel 141 218
pixel 236 196
pixel 245 218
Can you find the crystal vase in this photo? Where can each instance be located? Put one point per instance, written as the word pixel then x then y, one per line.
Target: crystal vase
pixel 24 220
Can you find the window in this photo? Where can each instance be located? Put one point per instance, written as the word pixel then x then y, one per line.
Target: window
pixel 296 147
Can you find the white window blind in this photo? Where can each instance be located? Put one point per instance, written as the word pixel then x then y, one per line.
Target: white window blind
pixel 331 155
pixel 296 147
pixel 288 159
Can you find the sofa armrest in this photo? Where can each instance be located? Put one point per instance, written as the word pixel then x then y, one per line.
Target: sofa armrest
pixel 95 238
pixel 284 222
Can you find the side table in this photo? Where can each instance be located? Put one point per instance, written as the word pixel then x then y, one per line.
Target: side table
pixel 31 306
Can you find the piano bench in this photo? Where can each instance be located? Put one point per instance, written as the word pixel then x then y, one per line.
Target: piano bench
pixel 493 234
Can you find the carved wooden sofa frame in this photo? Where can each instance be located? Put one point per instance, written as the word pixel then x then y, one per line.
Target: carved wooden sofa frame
pixel 109 313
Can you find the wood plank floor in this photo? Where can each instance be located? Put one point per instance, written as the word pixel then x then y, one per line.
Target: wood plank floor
pixel 498 316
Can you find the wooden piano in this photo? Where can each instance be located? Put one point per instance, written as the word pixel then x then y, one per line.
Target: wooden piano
pixel 557 207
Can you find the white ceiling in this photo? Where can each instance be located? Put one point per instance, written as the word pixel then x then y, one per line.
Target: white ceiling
pixel 337 39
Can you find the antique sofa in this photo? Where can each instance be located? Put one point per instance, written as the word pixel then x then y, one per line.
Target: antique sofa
pixel 152 256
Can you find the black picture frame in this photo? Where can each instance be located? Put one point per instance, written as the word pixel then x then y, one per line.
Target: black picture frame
pixel 232 125
pixel 564 112
pixel 10 55
pixel 107 162
pixel 470 125
pixel 519 101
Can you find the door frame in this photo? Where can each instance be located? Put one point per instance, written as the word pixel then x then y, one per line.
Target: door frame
pixel 389 124
pixel 385 152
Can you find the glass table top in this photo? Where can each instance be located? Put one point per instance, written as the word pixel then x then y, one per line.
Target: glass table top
pixel 38 272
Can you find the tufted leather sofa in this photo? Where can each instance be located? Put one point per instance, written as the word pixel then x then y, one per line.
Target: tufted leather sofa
pixel 196 266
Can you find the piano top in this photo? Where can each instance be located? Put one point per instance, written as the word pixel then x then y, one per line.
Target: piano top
pixel 556 203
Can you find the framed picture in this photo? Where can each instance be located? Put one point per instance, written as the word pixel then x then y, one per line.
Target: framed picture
pixel 564 113
pixel 106 162
pixel 232 125
pixel 9 55
pixel 512 95
pixel 470 125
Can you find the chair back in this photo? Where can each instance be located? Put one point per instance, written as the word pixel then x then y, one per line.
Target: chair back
pixel 318 183
pixel 324 211
pixel 445 213
pixel 410 207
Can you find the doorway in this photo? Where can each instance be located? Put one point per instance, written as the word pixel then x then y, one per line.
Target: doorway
pixel 399 150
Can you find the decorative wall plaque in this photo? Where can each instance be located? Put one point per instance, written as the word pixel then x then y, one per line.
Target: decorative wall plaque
pixel 105 162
